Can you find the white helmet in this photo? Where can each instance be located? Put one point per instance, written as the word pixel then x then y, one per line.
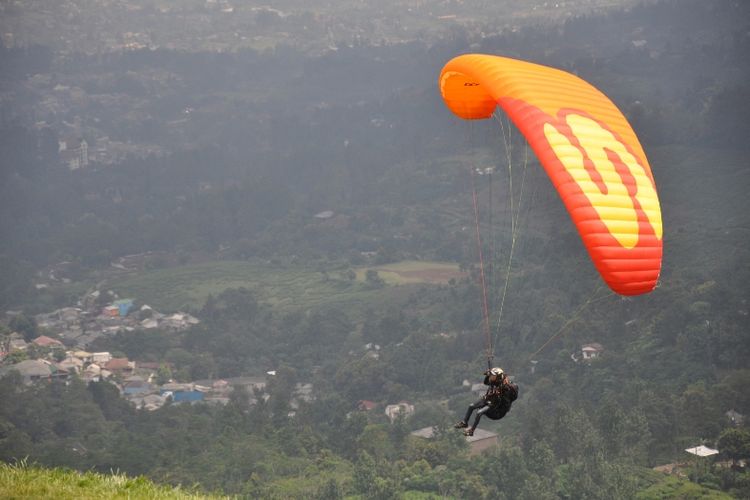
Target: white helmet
pixel 497 371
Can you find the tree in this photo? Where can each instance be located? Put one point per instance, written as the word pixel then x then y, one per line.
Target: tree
pixel 15 281
pixel 16 357
pixel 733 388
pixel 700 410
pixel 25 326
pixel 364 472
pixel 391 327
pixel 363 378
pixel 330 491
pixel 735 444
pixel 280 389
pixel 164 374
pixel 375 440
pixel 373 279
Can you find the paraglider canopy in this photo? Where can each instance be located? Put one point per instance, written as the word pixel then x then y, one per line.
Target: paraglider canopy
pixel 588 149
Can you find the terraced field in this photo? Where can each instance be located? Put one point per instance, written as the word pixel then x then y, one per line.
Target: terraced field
pixel 284 287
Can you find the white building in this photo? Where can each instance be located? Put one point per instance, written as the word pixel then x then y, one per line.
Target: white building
pixel 591 351
pixel 402 408
pixel 74 153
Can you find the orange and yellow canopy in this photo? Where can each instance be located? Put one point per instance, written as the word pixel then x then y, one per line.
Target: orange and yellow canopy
pixel 587 148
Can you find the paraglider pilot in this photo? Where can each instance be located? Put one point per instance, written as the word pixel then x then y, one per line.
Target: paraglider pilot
pixel 495 403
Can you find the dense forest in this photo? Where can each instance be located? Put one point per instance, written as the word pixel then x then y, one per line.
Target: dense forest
pixel 273 138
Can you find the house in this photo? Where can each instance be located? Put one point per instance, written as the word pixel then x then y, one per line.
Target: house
pixel 702 451
pixel 181 393
pixel 44 341
pixel 17 344
pixel 92 371
pixel 533 366
pixel 83 356
pixel 202 387
pixel 136 386
pixel 149 324
pixel 74 152
pixel 111 311
pixel 173 387
pixel 123 306
pixel 68 314
pixel 149 402
pixel 32 370
pixel 250 384
pixel 591 351
pixel 95 373
pixel 481 440
pixel 187 396
pixel 121 366
pixel 304 392
pixel 71 364
pixel 402 408
pixel 179 321
pixel 101 358
pixel 366 405
pixel 325 214
pixel 220 385
pixel 735 417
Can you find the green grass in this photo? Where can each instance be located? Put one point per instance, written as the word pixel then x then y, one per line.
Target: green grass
pixel 22 482
pixel 675 487
pixel 285 287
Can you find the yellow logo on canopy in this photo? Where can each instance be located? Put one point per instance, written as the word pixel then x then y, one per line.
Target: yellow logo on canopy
pixel 610 197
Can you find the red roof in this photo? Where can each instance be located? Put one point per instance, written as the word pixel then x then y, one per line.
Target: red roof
pixel 366 405
pixel 117 364
pixel 45 341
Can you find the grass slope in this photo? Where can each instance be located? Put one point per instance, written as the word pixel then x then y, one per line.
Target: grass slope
pixel 22 481
pixel 674 487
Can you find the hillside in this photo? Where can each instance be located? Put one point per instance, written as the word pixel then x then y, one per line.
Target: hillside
pixel 298 214
pixel 287 287
pixel 26 481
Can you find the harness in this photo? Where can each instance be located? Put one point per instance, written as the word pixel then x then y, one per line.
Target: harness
pixel 499 402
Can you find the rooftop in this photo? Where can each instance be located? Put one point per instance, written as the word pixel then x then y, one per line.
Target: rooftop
pixel 702 451
pixel 479 434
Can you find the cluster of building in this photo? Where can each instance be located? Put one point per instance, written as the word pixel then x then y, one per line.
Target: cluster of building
pixel 75 152
pixel 142 384
pixel 142 390
pixel 138 382
pixel 51 361
pixel 71 331
pixel 79 327
pixel 402 409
